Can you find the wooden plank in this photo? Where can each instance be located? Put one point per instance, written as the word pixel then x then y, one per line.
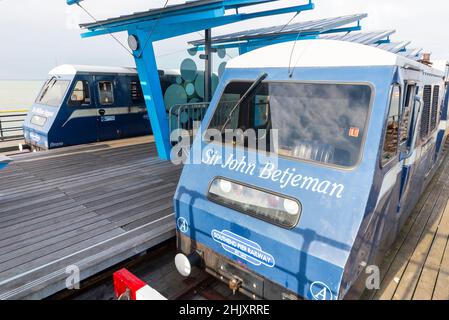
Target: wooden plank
pixel 441 288
pixel 427 281
pixel 73 205
pixel 50 278
pixel 410 277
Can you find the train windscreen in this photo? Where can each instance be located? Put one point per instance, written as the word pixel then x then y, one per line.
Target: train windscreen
pixel 53 92
pixel 319 122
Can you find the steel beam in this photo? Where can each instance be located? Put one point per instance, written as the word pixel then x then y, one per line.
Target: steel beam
pixel 151 87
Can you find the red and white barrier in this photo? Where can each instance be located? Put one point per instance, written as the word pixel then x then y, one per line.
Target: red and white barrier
pixel 128 287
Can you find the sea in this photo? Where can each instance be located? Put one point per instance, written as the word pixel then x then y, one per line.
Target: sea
pixel 18 94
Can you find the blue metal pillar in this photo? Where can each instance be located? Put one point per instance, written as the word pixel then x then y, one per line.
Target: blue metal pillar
pixel 151 87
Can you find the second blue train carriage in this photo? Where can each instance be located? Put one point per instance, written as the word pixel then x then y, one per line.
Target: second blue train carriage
pixel 83 104
pixel 356 135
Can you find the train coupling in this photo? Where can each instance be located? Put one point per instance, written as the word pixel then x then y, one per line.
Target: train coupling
pixel 235 284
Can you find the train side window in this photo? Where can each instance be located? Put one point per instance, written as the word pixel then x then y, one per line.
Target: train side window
pixel 106 92
pixel 81 94
pixel 391 145
pixel 136 92
pixel 435 107
pixel 425 117
pixel 407 113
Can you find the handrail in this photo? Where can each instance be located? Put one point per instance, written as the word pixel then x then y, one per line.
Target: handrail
pixel 14 111
pixel 183 116
pixel 11 124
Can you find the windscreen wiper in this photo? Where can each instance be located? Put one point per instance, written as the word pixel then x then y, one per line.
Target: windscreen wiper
pixel 251 89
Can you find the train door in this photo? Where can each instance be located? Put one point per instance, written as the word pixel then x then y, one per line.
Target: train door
pixel 395 159
pixel 80 123
pixel 409 115
pixel 106 90
pixel 391 163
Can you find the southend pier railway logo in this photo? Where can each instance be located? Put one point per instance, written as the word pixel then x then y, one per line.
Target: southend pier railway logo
pixel 243 248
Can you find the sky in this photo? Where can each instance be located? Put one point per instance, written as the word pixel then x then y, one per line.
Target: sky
pixel 35 36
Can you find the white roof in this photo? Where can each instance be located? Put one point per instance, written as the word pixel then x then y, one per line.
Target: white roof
pixel 71 69
pixel 442 65
pixel 321 53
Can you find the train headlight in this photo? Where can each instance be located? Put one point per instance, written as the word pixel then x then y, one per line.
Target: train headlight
pixel 291 206
pixel 263 204
pixel 225 186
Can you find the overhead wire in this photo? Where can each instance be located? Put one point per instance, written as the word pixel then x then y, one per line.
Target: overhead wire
pixel 116 39
pixel 113 37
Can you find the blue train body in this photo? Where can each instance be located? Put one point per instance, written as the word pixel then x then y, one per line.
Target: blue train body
pixel 359 138
pixel 83 104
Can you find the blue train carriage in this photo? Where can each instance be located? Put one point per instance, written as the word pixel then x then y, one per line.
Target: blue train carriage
pixel 356 136
pixel 84 104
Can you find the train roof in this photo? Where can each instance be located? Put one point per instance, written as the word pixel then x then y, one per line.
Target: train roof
pixel 72 69
pixel 323 53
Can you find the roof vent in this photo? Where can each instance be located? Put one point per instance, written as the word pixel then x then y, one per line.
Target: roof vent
pixel 426 59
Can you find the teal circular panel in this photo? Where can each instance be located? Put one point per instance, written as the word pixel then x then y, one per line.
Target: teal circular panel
pixel 184 117
pixel 199 84
pixel 174 95
pixel 221 52
pixel 221 69
pixel 190 89
pixel 188 70
pixel 192 51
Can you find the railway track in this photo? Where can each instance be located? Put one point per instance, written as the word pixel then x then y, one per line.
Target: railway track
pixel 155 267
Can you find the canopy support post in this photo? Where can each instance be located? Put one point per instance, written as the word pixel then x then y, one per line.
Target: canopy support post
pixel 208 65
pixel 152 91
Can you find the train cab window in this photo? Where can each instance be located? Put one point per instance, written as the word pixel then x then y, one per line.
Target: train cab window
pixel 136 92
pixel 53 92
pixel 391 143
pixel 81 94
pixel 435 108
pixel 314 122
pixel 106 92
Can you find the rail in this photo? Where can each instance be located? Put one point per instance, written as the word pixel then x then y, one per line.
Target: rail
pixel 11 125
pixel 184 116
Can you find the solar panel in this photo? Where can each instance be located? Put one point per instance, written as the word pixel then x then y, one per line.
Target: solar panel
pixel 414 53
pixel 378 39
pixel 150 13
pixel 306 27
pixel 367 38
pixel 394 47
pixel 171 9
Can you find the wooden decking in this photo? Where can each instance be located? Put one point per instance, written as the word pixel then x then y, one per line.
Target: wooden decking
pixel 417 265
pixel 86 207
